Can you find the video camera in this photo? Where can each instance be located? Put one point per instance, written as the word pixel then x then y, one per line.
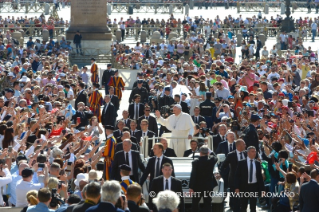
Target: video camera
pixel 166 110
pixel 55 200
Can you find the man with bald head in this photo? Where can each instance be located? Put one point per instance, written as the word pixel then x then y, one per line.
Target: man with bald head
pixel 129 157
pixel 168 152
pixel 119 146
pixel 181 125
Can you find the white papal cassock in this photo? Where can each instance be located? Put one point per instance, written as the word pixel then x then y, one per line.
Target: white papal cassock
pixel 180 126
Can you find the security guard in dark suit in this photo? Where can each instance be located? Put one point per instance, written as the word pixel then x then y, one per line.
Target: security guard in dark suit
pixel 206 110
pixel 166 99
pixel 141 91
pixel 250 133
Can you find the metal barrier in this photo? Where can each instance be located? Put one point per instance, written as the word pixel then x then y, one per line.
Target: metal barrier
pixel 144 144
pixel 148 7
pixel 26 7
pixel 28 30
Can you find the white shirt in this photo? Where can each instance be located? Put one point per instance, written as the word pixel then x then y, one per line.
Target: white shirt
pixel 254 180
pixel 3 182
pixel 70 93
pixel 144 133
pixel 314 26
pixel 169 180
pixel 129 160
pixel 238 155
pixel 22 189
pixel 283 37
pixel 160 161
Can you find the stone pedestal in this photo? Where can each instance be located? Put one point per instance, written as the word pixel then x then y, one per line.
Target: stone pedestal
pixel 191 4
pixel 45 35
pixel 118 35
pixel 239 39
pixel 89 18
pixel 266 9
pixel 186 9
pixel 143 36
pixel 262 38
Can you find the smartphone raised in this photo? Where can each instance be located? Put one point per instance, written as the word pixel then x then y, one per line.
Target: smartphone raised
pixel 41 165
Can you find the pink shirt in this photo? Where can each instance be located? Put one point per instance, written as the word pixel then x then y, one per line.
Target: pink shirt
pixel 46 81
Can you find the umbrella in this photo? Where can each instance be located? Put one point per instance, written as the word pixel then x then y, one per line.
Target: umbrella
pixel 296 56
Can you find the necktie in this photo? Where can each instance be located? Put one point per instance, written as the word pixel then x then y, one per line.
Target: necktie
pixel 143 134
pixel 136 111
pixel 125 121
pixel 230 147
pixel 223 137
pixel 241 156
pixel 127 160
pixel 193 155
pixel 251 171
pixel 146 117
pixel 166 185
pixel 197 119
pixel 157 170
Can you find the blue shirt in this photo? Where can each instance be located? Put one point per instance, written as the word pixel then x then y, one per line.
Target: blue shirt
pixel 171 48
pixel 40 207
pixel 223 74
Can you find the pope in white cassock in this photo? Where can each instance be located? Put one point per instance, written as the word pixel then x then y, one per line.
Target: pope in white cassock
pixel 181 125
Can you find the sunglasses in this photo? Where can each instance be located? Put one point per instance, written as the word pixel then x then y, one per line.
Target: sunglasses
pixel 148 110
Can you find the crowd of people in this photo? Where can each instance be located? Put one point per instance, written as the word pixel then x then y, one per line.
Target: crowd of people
pixel 247 127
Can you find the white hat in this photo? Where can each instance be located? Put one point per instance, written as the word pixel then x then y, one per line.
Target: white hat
pixel 10 74
pixel 79 177
pixel 178 106
pixel 24 79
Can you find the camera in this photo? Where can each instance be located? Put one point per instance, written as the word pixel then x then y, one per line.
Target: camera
pixel 55 200
pixel 166 110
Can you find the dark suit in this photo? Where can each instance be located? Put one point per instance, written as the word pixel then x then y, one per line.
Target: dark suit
pixel 150 134
pixel 188 152
pixel 200 119
pixel 150 168
pixel 223 148
pixel 217 139
pixel 135 208
pixel 241 183
pixel 119 147
pixel 104 206
pixel 134 134
pixel 131 110
pixel 116 102
pixel 84 117
pixel 82 207
pixel 127 124
pixel 81 97
pixel 107 74
pixel 176 186
pixel 108 114
pixel 145 85
pixel 251 137
pixel 309 197
pixel 119 159
pixel 185 108
pixel 117 133
pixel 202 180
pixel 168 153
pixel 230 163
pixel 152 124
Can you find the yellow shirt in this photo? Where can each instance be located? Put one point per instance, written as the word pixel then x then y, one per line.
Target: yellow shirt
pixel 304 71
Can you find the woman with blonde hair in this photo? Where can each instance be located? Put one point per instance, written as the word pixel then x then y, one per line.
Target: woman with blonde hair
pixel 32 198
pixel 75 69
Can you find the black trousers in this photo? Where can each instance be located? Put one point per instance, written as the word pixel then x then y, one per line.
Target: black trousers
pixel 234 202
pixel 252 200
pixel 207 201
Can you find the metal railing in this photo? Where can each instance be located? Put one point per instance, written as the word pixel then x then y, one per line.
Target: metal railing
pixel 26 7
pixel 144 144
pixel 148 7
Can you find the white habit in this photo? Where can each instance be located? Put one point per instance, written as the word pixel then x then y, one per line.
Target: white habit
pixel 180 126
